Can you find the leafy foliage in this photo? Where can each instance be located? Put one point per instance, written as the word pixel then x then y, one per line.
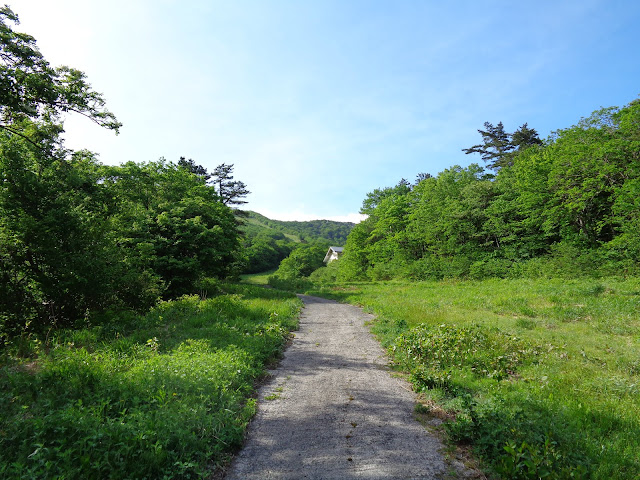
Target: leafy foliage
pixel 56 254
pixel 498 147
pixel 161 395
pixel 491 354
pixel 173 223
pixel 301 262
pixel 77 238
pixel 31 88
pixel 566 207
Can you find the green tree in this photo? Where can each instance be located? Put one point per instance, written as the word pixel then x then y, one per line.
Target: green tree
pixel 374 198
pixel 449 212
pixel 194 168
pixel 173 223
pixel 56 260
pixel 524 137
pixel 499 147
pixel 595 161
pixel 265 253
pixel 355 262
pixel 626 200
pixel 495 146
pixel 301 262
pixel 31 88
pixel 230 191
pixel 516 215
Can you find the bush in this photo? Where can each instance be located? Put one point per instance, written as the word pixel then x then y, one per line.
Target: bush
pixel 490 268
pixel 485 353
pixel 434 267
pixel 326 274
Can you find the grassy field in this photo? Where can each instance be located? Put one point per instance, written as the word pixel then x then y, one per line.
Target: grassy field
pixel 542 377
pixel 166 395
pixel 257 278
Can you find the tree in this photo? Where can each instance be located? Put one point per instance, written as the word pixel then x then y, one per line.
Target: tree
pixel 499 147
pixel 375 197
pixel 422 176
pixel 31 88
pixel 516 216
pixel 172 223
pixel 494 147
pixel 525 137
pixel 594 162
pixel 230 191
pixel 449 212
pixel 301 262
pixel 57 261
pixel 194 168
pixel 355 263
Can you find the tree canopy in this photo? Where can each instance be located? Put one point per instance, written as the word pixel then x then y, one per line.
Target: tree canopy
pixel 499 147
pixel 567 206
pixel 31 88
pixel 78 238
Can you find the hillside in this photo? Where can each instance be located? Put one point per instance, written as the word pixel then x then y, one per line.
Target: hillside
pixel 310 231
pixel 267 242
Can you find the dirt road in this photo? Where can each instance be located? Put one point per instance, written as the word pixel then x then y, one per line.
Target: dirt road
pixel 333 410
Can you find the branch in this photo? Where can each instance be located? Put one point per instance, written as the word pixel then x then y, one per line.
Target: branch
pixel 15 132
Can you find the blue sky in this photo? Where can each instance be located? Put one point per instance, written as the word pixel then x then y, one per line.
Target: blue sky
pixel 318 102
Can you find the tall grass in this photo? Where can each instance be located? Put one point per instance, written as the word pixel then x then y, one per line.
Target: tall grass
pixel 166 395
pixel 541 376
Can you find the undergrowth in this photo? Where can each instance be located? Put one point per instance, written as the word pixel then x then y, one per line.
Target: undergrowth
pixel 160 396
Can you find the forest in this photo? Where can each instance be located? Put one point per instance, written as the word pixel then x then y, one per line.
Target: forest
pixel 567 205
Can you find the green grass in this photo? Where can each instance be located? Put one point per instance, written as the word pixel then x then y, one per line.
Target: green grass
pixel 543 376
pixel 166 395
pixel 257 278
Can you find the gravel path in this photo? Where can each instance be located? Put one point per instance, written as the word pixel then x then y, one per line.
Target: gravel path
pixel 332 410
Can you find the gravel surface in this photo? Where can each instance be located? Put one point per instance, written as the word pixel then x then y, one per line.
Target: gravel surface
pixel 332 409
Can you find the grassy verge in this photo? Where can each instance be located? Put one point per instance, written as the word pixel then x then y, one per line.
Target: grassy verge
pixel 166 395
pixel 542 377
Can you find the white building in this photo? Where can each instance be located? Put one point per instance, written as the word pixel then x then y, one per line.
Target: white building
pixel 333 254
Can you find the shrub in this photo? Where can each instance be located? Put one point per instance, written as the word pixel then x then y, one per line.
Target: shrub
pixel 486 353
pixel 326 274
pixel 490 267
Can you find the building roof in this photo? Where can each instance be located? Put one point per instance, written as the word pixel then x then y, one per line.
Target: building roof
pixel 336 250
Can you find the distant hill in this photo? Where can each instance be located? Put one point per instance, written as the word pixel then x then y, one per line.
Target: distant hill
pixel 313 231
pixel 267 242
